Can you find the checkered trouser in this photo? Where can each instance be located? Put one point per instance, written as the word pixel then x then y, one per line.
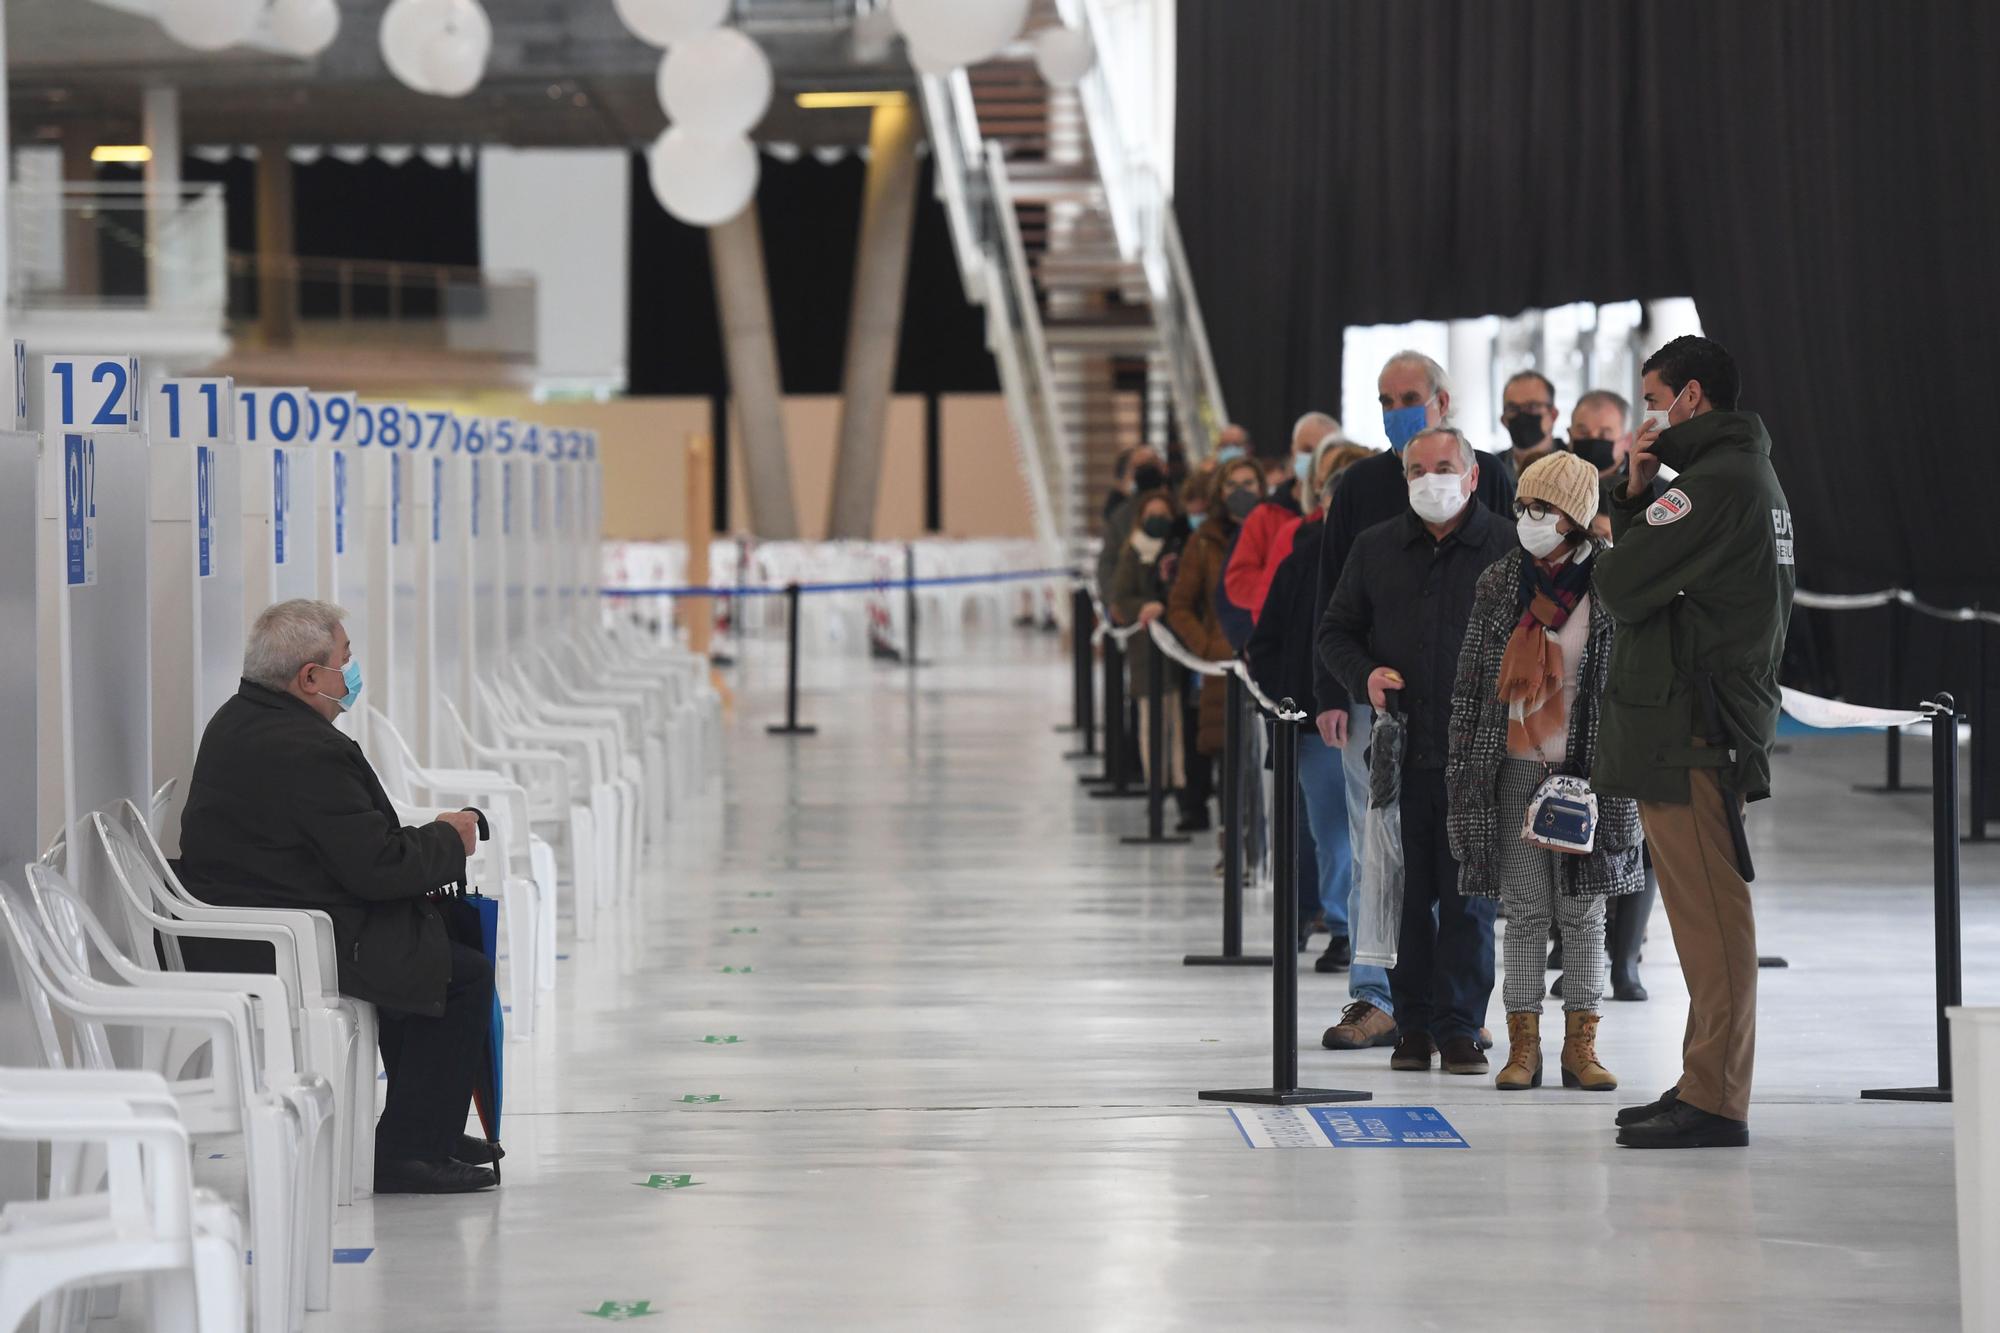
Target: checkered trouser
pixel 1529 886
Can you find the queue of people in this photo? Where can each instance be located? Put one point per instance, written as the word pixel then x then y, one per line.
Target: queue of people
pixel 1583 651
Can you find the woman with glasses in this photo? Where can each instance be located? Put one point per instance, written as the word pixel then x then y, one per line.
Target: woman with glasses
pixel 1525 707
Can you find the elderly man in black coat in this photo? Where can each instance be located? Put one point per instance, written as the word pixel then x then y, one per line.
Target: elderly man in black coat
pixel 283 810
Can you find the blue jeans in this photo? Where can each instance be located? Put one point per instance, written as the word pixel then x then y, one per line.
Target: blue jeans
pixel 1323 811
pixel 1366 981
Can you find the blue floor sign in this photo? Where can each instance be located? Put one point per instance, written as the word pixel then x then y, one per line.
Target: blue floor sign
pixel 1346 1127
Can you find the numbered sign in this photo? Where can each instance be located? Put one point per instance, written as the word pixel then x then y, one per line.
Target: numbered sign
pixel 331 419
pixel 281 504
pixel 80 510
pixel 277 417
pixel 89 394
pixel 193 411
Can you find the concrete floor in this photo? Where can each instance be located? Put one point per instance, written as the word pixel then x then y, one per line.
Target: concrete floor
pixel 963 1095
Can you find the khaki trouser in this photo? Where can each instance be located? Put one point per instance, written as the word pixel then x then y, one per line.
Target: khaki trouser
pixel 1708 905
pixel 1175 777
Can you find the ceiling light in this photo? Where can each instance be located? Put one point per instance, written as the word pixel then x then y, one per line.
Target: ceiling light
pixel 121 152
pixel 838 101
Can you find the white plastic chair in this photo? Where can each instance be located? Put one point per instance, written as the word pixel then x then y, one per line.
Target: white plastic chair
pixel 614 795
pixel 285 1123
pixel 528 906
pixel 146 1223
pixel 548 778
pixel 337 1033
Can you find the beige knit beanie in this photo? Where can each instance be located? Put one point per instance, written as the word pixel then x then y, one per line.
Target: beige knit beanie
pixel 1565 480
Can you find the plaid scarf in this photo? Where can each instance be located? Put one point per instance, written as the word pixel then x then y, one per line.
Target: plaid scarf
pixel 1531 671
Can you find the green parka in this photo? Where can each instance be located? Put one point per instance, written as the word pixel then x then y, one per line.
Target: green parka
pixel 1700 583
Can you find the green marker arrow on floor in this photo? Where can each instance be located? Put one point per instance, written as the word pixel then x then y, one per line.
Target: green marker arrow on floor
pixel 667 1183
pixel 721 1041
pixel 697 1099
pixel 616 1310
pixel 736 971
pixel 744 930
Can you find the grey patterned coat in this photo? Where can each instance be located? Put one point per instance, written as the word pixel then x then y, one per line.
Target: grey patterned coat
pixel 1479 743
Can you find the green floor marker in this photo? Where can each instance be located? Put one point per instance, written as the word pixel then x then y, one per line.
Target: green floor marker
pixel 616 1310
pixel 667 1183
pixel 698 1099
pixel 763 893
pixel 736 971
pixel 744 930
pixel 721 1041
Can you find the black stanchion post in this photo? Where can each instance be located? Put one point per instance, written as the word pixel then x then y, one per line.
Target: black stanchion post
pixel 910 597
pixel 1235 733
pixel 1117 765
pixel 1944 879
pixel 1285 1089
pixel 1083 702
pixel 790 726
pixel 1156 753
pixel 1899 627
pixel 1982 730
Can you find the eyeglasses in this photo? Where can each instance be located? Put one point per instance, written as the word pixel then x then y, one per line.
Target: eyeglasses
pixel 1539 510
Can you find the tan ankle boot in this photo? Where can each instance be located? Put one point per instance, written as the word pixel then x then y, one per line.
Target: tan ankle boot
pixel 1579 1061
pixel 1524 1054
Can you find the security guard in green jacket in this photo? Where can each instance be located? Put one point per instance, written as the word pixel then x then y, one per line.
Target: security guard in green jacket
pixel 1700 584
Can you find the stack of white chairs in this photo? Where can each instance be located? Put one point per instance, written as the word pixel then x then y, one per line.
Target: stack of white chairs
pixel 504 866
pixel 248 1086
pixel 120 1207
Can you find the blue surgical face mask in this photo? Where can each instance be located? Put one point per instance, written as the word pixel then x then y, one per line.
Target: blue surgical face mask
pixel 1228 453
pixel 1302 468
pixel 1402 423
pixel 350 676
pixel 1196 520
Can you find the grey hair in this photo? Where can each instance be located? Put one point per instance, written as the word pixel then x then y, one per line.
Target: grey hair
pixel 288 636
pixel 1328 442
pixel 1319 423
pixel 1608 399
pixel 1466 455
pixel 1434 375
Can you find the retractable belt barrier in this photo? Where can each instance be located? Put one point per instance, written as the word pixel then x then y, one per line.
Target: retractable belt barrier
pixel 1901 602
pixel 792 592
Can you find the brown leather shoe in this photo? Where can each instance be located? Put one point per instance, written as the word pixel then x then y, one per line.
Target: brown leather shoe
pixel 1361 1025
pixel 1579 1058
pixel 1413 1053
pixel 1462 1055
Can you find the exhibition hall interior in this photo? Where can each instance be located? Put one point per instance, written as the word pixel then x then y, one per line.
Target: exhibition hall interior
pixel 999 664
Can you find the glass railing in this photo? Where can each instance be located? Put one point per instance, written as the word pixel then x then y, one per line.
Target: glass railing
pixel 282 301
pixel 117 247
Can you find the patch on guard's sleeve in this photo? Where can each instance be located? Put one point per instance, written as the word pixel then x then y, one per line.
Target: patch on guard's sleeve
pixel 1669 508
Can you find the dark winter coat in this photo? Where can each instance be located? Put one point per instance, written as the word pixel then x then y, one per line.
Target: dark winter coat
pixel 284 810
pixel 1191 616
pixel 1479 743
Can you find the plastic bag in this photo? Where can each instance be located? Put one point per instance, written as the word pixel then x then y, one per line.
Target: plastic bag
pixel 1376 916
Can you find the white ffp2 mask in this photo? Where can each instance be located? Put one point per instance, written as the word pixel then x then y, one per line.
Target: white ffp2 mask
pixel 1539 537
pixel 1437 496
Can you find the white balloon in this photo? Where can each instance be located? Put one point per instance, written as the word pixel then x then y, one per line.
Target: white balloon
pixel 703 179
pixel 454 63
pixel 408 29
pixel 210 25
pixel 305 27
pixel 1064 56
pixel 926 63
pixel 664 22
pixel 963 32
pixel 718 83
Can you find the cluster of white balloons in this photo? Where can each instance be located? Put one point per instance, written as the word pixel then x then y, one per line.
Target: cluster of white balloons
pixel 438 47
pixel 300 27
pixel 715 84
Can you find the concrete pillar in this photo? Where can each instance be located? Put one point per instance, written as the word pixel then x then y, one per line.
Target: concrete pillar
pixel 742 295
pixel 1475 408
pixel 6 192
pixel 888 215
pixel 81 263
pixel 160 113
pixel 276 281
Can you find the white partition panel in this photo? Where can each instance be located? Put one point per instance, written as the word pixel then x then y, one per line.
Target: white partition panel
pixel 70 393
pixel 280 488
pixel 410 558
pixel 197 572
pixel 100 549
pixel 514 546
pixel 330 431
pixel 20 834
pixel 487 558
pixel 379 456
pixel 450 584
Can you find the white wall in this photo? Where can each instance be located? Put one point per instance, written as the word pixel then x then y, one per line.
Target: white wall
pixel 561 215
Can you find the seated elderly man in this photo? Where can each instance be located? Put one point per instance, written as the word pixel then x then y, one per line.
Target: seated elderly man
pixel 283 810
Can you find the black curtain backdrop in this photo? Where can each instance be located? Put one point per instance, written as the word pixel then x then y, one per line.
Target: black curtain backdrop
pixel 410 213
pixel 1816 174
pixel 810 213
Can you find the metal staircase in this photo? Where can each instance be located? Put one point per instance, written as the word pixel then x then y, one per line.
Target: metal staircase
pixel 1091 313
